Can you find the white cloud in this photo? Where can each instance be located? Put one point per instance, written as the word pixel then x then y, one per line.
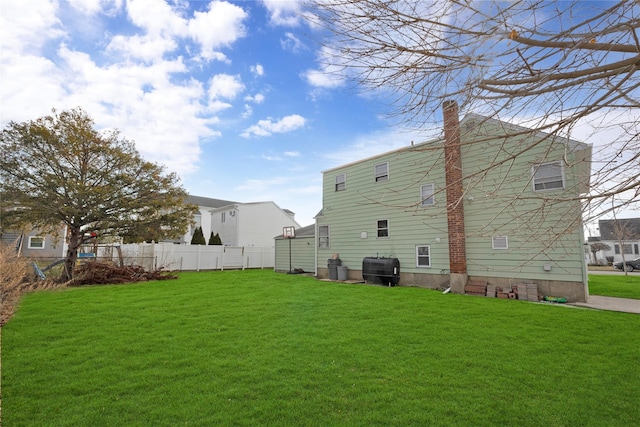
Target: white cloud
pixel 369 145
pixel 257 69
pixel 326 76
pixel 292 153
pixel 224 86
pixel 147 48
pixel 292 43
pixel 268 127
pixel 219 27
pixel 28 25
pixel 284 12
pixel 258 98
pixel 156 17
pixel 95 7
pixel 321 79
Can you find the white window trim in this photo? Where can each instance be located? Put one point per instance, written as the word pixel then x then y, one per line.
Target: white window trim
pixel 344 182
pixel 418 256
pixel 385 175
pixel 327 237
pixel 432 197
pixel 535 168
pixel 378 229
pixel 30 246
pixel 496 239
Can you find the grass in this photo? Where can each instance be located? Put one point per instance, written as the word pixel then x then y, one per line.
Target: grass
pixel 615 286
pixel 247 348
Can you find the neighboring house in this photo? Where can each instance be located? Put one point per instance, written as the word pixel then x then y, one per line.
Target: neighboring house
pixel 622 236
pixel 517 222
pixel 203 218
pixel 250 224
pixel 34 244
pixel 297 253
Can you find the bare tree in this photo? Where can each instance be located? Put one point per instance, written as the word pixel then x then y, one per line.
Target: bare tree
pixel 622 231
pixel 595 247
pixel 569 69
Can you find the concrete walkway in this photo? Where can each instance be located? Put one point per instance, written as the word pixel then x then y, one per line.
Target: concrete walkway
pixel 610 303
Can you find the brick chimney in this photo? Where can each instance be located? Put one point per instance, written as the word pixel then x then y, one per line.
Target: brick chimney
pixel 455 192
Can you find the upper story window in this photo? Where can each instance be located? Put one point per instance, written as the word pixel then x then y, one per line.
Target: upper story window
pixel 427 197
pixel 383 228
pixel 323 236
pixel 36 242
pixel 382 172
pixel 223 217
pixel 197 222
pixel 341 182
pixel 548 176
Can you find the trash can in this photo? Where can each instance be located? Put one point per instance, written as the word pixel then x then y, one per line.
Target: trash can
pixel 333 264
pixel 343 273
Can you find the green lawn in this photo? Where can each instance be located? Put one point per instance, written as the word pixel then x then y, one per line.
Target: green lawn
pixel 253 348
pixel 615 285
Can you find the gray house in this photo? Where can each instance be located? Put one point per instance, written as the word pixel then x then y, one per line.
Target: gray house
pixel 622 236
pixel 449 219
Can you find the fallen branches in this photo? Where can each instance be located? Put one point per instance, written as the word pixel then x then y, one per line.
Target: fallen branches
pixel 99 273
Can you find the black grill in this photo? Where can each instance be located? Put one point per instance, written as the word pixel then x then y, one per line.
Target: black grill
pixel 384 271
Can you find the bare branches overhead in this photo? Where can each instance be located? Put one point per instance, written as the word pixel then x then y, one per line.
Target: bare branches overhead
pixel 568 68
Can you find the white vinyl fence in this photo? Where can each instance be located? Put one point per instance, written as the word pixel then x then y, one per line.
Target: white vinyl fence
pixel 168 256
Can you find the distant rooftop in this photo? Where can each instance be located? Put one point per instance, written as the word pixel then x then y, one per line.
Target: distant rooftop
pixel 629 229
pixel 208 202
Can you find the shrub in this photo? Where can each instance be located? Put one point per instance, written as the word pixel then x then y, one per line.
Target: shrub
pixel 17 277
pixel 198 237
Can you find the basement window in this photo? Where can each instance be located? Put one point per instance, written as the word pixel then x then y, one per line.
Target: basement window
pixel 500 242
pixel 382 172
pixel 341 182
pixel 423 256
pixel 383 228
pixel 548 176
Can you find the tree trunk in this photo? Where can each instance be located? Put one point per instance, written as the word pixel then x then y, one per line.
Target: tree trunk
pixel 75 240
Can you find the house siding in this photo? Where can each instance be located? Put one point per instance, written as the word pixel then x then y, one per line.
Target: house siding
pixel 501 202
pixel 302 254
pixel 544 230
pixel 356 210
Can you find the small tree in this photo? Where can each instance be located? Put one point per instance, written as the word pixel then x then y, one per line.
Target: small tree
pixel 198 237
pixel 217 240
pixel 59 173
pixel 214 239
pixel 595 247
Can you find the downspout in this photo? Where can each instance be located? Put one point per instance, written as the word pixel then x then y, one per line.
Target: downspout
pixel 454 194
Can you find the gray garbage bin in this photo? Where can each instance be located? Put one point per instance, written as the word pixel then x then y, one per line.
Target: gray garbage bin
pixel 343 273
pixel 333 264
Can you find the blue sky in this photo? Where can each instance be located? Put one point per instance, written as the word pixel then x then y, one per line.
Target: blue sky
pixel 231 95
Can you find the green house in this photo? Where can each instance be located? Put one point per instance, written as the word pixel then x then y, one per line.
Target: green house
pixel 491 202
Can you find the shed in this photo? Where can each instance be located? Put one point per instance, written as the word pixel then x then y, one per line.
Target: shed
pixel 303 251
